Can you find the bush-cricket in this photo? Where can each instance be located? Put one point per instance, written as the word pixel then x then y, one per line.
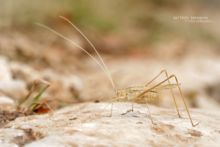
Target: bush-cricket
pixel 138 94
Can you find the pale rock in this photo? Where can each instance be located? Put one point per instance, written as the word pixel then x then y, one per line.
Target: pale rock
pixel 9 86
pixel 89 124
pixel 6 100
pixel 5 74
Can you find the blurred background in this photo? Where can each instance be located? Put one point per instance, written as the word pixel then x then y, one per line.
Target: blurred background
pixel 137 39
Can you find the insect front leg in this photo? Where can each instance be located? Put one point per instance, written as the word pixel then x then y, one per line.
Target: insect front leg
pixel 111 110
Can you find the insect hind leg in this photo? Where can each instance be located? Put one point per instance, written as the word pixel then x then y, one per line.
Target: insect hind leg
pixel 184 101
pixel 129 110
pixel 172 93
pixel 164 71
pixel 180 91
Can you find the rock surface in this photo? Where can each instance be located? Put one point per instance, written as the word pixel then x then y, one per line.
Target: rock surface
pixel 89 124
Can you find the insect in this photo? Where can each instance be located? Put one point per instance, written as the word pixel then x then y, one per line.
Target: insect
pixel 138 94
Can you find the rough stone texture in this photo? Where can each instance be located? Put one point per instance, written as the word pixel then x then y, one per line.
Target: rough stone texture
pixel 8 86
pixel 89 124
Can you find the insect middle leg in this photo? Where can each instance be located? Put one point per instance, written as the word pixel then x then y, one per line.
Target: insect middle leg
pixel 130 110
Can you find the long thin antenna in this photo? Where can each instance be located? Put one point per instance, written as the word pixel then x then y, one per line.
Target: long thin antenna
pixel 94 48
pixel 78 46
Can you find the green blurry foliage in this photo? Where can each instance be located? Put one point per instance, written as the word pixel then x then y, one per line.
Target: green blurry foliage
pixel 147 20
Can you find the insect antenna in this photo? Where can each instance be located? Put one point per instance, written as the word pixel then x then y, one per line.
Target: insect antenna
pixel 102 66
pixel 107 72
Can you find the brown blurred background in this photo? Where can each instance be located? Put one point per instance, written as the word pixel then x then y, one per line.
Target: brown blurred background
pixel 137 39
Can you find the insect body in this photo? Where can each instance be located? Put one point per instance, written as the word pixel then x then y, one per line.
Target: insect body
pixel 130 93
pixel 142 94
pixel 138 94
